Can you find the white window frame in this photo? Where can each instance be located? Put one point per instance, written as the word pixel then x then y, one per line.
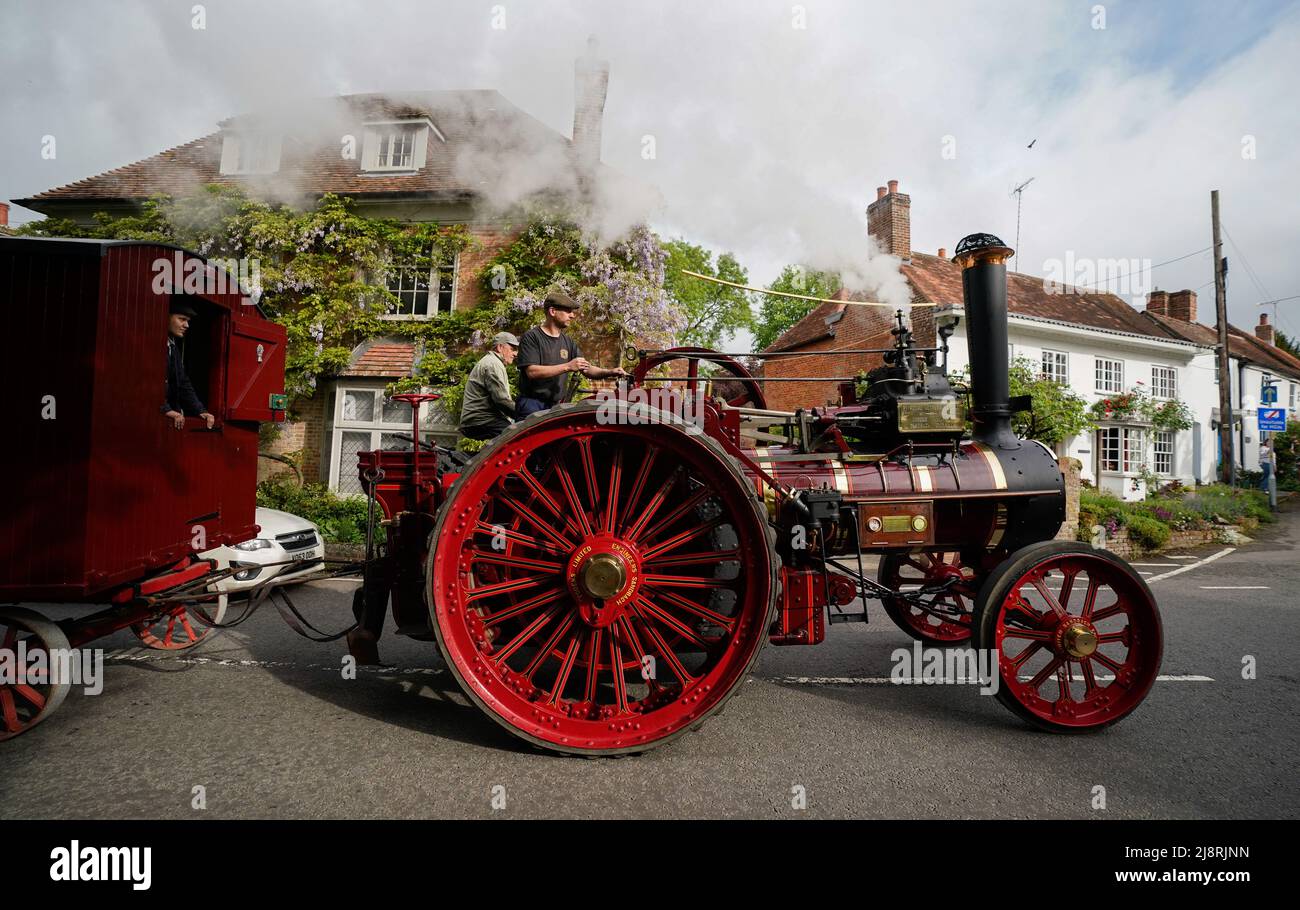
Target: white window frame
pixel 1164 381
pixel 1055 366
pixel 379 136
pixel 1163 446
pixel 1125 455
pixel 1291 403
pixel 250 152
pixel 376 428
pixel 433 292
pixel 1109 375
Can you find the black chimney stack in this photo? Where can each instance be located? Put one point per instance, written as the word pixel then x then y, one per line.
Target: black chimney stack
pixel 983 260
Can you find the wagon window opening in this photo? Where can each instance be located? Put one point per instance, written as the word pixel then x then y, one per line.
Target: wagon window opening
pixel 200 350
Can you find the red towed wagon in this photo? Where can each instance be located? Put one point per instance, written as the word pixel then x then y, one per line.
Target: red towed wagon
pixel 119 498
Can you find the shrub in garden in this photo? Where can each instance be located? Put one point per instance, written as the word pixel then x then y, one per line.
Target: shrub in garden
pixel 340 519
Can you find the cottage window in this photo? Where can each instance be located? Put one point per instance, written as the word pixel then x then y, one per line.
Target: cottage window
pixel 1162 448
pixel 1164 382
pixel 365 420
pixel 1055 367
pixel 422 292
pixel 1110 375
pixel 1120 448
pixel 399 146
pixel 250 153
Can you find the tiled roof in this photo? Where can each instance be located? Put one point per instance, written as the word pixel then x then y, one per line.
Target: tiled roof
pixel 939 281
pixel 1241 345
pixel 816 325
pixel 311 162
pixel 382 358
pixel 935 280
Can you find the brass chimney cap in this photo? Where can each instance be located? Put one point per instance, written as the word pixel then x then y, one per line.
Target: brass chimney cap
pixel 977 248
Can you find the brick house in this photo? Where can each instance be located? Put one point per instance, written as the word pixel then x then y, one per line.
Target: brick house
pixel 408 157
pixel 1094 342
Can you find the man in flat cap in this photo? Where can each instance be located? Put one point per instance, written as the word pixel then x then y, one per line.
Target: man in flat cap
pixel 487 408
pixel 182 401
pixel 547 355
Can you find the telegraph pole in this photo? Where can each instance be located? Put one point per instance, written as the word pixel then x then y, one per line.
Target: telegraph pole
pixel 1228 462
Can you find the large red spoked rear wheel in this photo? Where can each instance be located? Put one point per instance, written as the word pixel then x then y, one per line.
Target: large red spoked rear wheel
pixel 946 616
pixel 600 587
pixel 1077 635
pixel 28 692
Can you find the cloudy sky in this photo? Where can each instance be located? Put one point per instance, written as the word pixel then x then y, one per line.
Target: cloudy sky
pixel 772 122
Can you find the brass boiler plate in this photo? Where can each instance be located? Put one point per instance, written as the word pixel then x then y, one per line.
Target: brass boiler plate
pixel 931 415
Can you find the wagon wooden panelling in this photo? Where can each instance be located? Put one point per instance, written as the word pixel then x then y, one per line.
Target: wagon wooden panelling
pixel 108 491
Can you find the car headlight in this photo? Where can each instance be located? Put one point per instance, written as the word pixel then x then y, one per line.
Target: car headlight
pixel 260 543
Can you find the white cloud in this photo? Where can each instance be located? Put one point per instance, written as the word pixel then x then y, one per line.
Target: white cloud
pixel 770 139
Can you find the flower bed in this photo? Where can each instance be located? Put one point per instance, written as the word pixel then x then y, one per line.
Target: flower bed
pixel 1174 517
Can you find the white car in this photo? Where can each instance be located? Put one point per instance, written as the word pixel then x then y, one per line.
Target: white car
pixel 283 538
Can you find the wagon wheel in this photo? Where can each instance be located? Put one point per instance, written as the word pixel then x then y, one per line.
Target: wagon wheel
pixel 181 626
pixel 951 622
pixel 1077 634
pixel 741 390
pixel 614 626
pixel 26 700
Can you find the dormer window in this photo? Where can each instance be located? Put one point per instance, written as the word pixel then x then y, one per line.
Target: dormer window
pixel 396 149
pixel 399 145
pixel 250 153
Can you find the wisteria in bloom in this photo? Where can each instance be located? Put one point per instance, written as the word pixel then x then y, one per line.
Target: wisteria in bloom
pixel 476 338
pixel 632 295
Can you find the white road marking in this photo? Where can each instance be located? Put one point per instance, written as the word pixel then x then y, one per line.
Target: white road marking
pixel 885 680
pixel 138 655
pixel 1191 565
pixel 1234 587
pixel 1155 565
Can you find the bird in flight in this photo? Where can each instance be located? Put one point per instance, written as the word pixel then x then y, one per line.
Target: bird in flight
pixel 1031 145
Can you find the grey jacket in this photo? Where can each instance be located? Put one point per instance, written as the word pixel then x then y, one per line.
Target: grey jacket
pixel 487 393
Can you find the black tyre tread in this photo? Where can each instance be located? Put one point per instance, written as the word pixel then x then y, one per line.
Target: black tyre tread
pixel 760 513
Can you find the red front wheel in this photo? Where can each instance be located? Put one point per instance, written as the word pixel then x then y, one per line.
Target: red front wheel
pixel 599 585
pixel 1076 632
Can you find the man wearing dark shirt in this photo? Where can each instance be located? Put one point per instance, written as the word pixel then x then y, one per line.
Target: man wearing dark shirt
pixel 547 355
pixel 182 400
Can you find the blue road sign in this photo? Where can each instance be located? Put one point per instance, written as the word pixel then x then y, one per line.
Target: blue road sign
pixel 1268 394
pixel 1272 419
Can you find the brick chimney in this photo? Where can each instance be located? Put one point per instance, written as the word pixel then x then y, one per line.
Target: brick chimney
pixel 4 214
pixel 943 253
pixel 1158 303
pixel 590 82
pixel 1264 331
pixel 1182 305
pixel 889 220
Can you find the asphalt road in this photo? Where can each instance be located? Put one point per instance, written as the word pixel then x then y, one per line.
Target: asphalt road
pixel 265 723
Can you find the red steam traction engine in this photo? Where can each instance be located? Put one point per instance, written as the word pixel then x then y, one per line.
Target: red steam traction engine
pixel 600 578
